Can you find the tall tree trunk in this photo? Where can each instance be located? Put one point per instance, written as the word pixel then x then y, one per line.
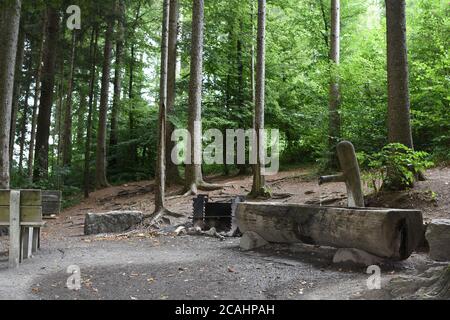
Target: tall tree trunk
pixel 113 137
pixel 23 128
pixel 133 147
pixel 9 23
pixel 59 114
pixel 172 173
pixel 25 110
pixel 87 150
pixel 334 126
pixel 67 133
pixel 194 176
pixel 133 151
pixel 100 175
pixel 399 123
pixel 81 120
pixel 16 92
pixel 46 100
pixel 252 55
pixel 259 187
pixel 37 93
pixel 160 179
pixel 240 94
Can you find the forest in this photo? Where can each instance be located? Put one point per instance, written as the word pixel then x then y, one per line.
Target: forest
pixel 92 94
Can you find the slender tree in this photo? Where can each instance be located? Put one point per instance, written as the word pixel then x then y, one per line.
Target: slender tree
pixel 25 112
pixel 160 179
pixel 67 131
pixel 334 125
pixel 101 164
pixel 46 99
pixel 9 22
pixel 120 33
pixel 133 147
pixel 37 93
pixel 172 173
pixel 16 91
pixel 252 54
pixel 194 177
pixel 259 187
pixel 87 150
pixel 399 123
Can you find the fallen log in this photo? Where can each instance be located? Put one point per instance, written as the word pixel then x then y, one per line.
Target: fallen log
pixel 387 233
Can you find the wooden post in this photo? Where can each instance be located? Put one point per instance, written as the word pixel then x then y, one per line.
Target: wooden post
pixel 350 169
pixel 25 241
pixel 14 229
pixel 350 174
pixel 35 243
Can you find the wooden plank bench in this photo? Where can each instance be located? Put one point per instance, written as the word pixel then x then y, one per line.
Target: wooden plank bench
pixel 21 211
pixel 51 202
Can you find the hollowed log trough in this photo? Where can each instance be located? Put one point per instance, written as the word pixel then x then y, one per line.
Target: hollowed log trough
pixel 387 233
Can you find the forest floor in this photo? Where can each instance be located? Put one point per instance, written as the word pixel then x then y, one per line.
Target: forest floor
pixel 154 266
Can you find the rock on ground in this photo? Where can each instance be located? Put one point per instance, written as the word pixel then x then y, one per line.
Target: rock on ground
pixel 112 222
pixel 251 240
pixel 438 236
pixel 357 257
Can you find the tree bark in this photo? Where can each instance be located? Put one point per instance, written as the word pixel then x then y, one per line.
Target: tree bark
pixel 87 150
pixel 67 133
pixel 194 176
pixel 252 56
pixel 259 187
pixel 133 147
pixel 160 178
pixel 399 123
pixel 334 126
pixel 81 113
pixel 172 173
pixel 101 181
pixel 9 22
pixel 16 92
pixel 37 93
pixel 46 99
pixel 24 118
pixel 113 137
pixel 387 233
pixel 57 132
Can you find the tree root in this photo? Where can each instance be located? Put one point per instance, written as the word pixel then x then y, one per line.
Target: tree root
pixel 156 216
pixel 433 284
pixel 203 186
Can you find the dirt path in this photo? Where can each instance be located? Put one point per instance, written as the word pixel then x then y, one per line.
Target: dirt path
pixel 191 267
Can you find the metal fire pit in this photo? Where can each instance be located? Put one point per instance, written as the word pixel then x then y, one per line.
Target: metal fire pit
pixel 216 214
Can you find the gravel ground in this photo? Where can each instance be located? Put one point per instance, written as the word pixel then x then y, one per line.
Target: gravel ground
pixel 195 267
pixel 187 267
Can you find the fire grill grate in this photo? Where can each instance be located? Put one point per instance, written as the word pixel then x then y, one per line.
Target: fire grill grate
pixel 216 214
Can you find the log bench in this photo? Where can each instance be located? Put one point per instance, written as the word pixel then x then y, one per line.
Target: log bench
pixel 21 211
pixel 387 233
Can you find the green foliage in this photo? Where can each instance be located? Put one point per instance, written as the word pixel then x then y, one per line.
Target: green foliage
pixel 396 165
pixel 297 82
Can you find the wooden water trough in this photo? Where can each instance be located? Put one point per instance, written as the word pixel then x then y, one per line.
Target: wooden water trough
pixel 387 233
